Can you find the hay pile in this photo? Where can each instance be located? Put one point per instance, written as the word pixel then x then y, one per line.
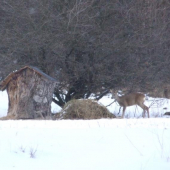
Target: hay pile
pixel 84 109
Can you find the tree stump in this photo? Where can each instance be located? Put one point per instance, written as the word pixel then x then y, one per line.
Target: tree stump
pixel 30 93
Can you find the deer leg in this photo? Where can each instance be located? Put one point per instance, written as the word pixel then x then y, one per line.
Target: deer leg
pixel 147 109
pixel 143 114
pixel 119 109
pixel 123 113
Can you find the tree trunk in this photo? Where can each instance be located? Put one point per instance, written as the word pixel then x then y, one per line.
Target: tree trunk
pixel 30 95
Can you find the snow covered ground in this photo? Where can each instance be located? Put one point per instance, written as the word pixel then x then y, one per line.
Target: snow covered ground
pixel 105 144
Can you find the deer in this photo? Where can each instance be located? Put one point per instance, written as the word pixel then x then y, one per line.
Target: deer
pixel 130 100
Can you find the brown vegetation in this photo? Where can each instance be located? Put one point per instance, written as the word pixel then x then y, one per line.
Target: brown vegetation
pixel 84 109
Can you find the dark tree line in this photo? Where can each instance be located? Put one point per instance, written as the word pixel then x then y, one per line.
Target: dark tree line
pixel 89 46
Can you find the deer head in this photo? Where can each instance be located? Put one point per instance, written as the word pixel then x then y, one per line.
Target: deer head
pixel 130 100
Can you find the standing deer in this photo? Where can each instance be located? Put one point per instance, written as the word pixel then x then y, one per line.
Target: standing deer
pixel 130 100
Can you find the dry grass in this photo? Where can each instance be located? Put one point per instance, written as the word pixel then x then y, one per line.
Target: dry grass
pixel 8 117
pixel 84 109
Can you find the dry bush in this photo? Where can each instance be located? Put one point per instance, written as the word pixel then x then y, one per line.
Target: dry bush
pixel 84 109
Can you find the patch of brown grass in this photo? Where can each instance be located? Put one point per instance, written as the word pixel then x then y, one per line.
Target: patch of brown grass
pixel 84 109
pixel 8 118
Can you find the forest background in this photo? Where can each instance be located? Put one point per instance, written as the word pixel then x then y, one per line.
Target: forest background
pixel 89 46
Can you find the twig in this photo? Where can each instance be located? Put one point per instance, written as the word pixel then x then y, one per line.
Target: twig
pixel 134 145
pixel 111 103
pixel 152 103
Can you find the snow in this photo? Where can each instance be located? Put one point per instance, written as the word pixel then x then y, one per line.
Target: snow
pixel 133 143
pixel 3 103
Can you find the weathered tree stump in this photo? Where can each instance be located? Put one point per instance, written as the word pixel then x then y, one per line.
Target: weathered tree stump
pixel 30 93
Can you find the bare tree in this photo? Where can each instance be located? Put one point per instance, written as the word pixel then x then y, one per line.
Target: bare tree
pixel 89 46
